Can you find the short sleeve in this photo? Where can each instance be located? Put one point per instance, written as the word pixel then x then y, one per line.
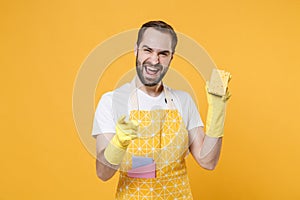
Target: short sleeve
pixel 188 109
pixel 194 118
pixel 103 118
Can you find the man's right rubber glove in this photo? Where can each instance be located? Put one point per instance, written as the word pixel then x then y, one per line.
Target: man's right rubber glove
pixel 125 132
pixel 217 103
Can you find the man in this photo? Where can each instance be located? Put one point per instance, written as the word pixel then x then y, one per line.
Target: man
pixel 163 125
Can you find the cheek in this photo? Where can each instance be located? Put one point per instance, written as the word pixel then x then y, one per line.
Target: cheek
pixel 166 63
pixel 142 59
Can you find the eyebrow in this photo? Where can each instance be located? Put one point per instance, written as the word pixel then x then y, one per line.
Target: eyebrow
pixel 162 51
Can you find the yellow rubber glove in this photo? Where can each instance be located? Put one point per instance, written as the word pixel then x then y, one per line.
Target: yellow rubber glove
pixel 125 132
pixel 216 113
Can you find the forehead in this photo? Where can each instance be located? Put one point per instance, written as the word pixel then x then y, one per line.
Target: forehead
pixel 156 39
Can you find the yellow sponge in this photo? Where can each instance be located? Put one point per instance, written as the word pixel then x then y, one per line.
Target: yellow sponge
pixel 218 82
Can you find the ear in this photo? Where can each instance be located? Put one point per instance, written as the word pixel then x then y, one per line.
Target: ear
pixel 135 49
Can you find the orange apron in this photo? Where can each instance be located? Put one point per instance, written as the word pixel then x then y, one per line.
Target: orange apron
pixel 163 137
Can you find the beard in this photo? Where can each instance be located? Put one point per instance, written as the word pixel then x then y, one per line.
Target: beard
pixel 141 68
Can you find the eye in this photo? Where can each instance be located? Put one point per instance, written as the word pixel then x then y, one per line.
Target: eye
pixel 164 54
pixel 147 50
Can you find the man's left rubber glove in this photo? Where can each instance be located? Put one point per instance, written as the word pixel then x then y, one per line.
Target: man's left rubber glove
pixel 216 105
pixel 125 132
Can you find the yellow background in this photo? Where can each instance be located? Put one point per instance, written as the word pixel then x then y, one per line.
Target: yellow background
pixel 43 44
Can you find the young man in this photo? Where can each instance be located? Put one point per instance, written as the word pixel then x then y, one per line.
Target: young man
pixel 163 125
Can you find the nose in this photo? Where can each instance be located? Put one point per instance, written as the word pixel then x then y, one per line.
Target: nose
pixel 154 58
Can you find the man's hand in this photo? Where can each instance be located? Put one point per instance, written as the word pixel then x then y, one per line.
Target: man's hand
pixel 125 132
pixel 216 108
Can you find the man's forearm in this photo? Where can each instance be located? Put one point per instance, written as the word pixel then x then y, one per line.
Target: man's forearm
pixel 210 152
pixel 105 170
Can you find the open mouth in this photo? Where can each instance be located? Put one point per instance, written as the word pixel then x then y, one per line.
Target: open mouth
pixel 151 70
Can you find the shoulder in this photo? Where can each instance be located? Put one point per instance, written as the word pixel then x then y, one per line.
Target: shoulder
pixel 107 96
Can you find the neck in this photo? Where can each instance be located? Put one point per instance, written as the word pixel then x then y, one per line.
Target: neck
pixel 153 91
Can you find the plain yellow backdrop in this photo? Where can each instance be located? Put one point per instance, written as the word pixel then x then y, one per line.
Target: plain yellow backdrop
pixel 43 44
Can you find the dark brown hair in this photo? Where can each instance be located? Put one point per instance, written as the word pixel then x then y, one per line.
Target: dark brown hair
pixel 160 26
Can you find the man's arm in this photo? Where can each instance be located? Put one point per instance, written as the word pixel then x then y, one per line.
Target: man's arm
pixel 111 148
pixel 104 169
pixel 205 150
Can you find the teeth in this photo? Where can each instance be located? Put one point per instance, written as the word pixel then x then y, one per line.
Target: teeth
pixel 152 69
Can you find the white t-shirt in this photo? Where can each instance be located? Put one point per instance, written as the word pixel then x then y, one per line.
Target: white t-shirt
pixel 104 120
